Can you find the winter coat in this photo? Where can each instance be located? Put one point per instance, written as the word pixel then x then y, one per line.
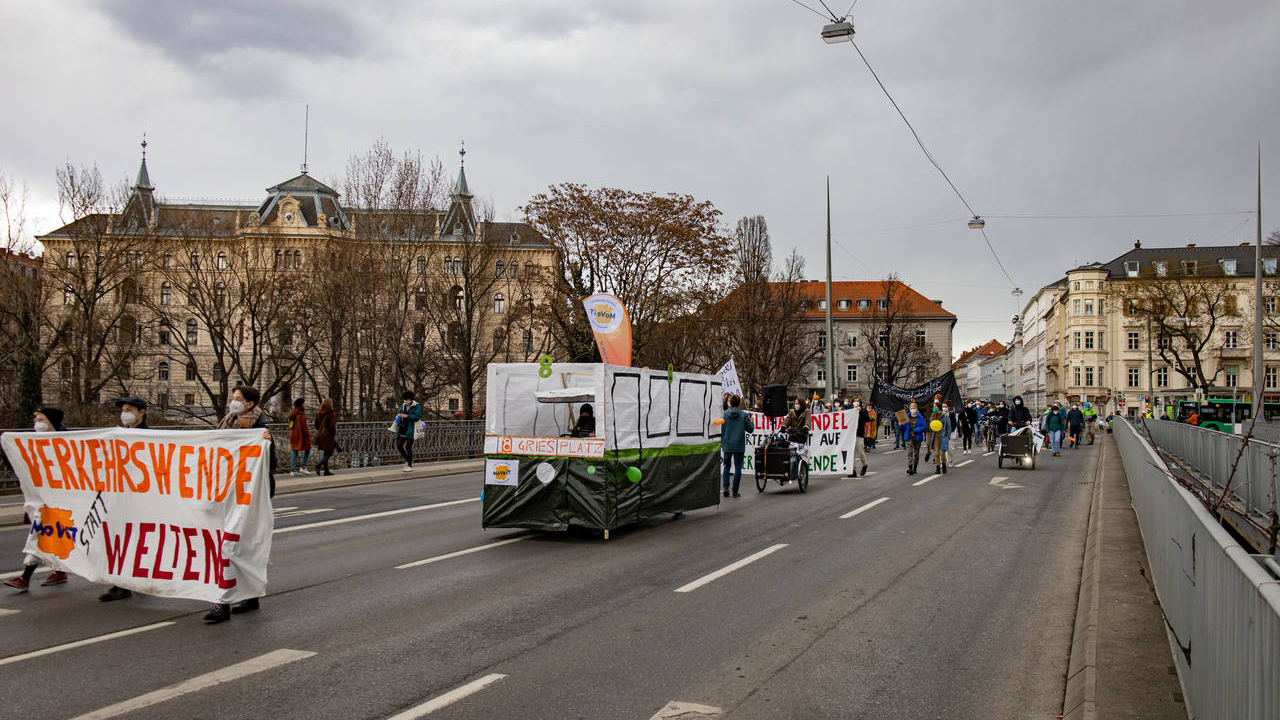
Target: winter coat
pixel 733 434
pixel 1019 416
pixel 299 433
pixel 1055 420
pixel 254 418
pixel 968 419
pixel 413 413
pixel 1075 418
pixel 861 421
pixel 914 428
pixel 327 430
pixel 797 425
pixel 941 439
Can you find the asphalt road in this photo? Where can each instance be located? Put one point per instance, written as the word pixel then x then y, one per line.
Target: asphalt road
pixel 952 598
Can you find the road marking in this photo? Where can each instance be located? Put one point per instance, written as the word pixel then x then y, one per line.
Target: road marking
pixel 272 659
pixel 460 553
pixel 448 698
pixel 297 513
pixel 1003 482
pixel 729 568
pixel 993 452
pixel 966 462
pixel 82 643
pixel 285 509
pixel 893 451
pixel 685 710
pixel 4 611
pixel 871 472
pixel 864 508
pixel 388 513
pixel 921 482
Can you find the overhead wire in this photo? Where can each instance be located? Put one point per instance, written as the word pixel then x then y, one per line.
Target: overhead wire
pixel 1120 216
pixel 810 9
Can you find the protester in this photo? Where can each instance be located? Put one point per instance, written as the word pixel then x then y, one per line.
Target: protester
pixel 326 434
pixel 870 437
pixel 1054 423
pixel 1002 418
pixel 1020 416
pixel 968 421
pixel 1075 425
pixel 818 407
pixel 586 424
pixel 133 414
pixel 1090 421
pixel 299 439
pixel 940 442
pixel 913 431
pixel 864 429
pixel 243 412
pixel 406 425
pixel 796 425
pixel 46 419
pixel 733 442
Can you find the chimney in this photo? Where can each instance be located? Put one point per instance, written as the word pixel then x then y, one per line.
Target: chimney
pixel 1191 245
pixel 1137 244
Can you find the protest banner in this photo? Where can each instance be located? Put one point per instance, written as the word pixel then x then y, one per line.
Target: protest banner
pixel 890 397
pixel 729 376
pixel 831 438
pixel 182 514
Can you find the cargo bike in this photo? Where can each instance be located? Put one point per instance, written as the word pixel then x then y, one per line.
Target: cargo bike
pixel 1018 446
pixel 783 462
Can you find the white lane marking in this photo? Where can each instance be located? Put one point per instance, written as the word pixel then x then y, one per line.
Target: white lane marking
pixel 864 508
pixel 893 451
pixel 16 573
pixel 921 482
pixel 5 611
pixel 82 643
pixel 272 659
pixel 285 509
pixel 297 513
pixel 993 452
pixel 729 568
pixel 1003 482
pixel 388 513
pixel 685 710
pixel 966 462
pixel 460 553
pixel 871 472
pixel 448 698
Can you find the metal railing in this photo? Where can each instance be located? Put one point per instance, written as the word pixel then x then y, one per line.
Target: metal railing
pixel 360 444
pixel 1253 487
pixel 1221 604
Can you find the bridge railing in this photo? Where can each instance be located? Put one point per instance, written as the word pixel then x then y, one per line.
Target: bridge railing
pixel 1222 604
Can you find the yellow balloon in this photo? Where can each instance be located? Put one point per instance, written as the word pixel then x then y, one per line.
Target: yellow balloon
pixel 936 426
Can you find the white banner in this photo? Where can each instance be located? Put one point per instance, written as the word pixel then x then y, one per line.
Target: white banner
pixel 170 513
pixel 831 438
pixel 729 376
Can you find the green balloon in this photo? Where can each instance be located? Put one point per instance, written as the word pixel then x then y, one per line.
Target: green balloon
pixel 591 469
pixel 634 474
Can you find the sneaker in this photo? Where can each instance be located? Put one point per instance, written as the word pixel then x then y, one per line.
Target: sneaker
pixel 55 578
pixel 726 492
pixel 245 606
pixel 737 495
pixel 218 613
pixel 17 583
pixel 293 473
pixel 303 471
pixel 115 593
pixel 406 468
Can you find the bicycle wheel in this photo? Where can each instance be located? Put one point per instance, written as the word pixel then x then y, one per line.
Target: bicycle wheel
pixel 762 479
pixel 802 478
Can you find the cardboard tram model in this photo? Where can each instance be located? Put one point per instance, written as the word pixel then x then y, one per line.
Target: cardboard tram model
pixel 656 448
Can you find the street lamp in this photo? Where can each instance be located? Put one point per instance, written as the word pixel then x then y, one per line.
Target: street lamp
pixel 977 223
pixel 837 32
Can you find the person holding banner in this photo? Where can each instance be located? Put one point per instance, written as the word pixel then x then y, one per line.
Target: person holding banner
pixel 733 442
pixel 796 425
pixel 47 419
pixel 133 414
pixel 865 429
pixel 913 433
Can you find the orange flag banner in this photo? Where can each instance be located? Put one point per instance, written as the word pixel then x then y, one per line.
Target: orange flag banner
pixel 612 328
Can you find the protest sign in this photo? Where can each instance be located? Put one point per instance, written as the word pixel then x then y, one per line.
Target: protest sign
pixel 170 513
pixel 831 438
pixel 887 396
pixel 729 376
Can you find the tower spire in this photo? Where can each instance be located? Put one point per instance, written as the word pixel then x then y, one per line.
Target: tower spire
pixel 306 136
pixel 460 189
pixel 144 179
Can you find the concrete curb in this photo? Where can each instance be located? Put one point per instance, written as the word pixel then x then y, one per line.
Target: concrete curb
pixel 1080 701
pixel 287 485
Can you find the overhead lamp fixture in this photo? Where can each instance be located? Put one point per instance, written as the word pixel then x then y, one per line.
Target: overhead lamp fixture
pixel 837 32
pixel 977 223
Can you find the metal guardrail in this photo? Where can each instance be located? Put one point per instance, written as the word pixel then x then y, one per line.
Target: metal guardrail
pixel 1212 454
pixel 361 444
pixel 1221 604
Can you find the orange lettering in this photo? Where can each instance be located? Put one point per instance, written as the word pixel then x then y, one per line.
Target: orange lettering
pixel 95 464
pixel 62 452
pixel 134 449
pixel 29 459
pixel 220 492
pixel 46 463
pixel 205 463
pixel 121 451
pixel 78 451
pixel 183 471
pixel 243 477
pixel 160 463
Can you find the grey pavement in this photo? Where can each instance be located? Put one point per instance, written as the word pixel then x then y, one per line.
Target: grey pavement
pixel 955 597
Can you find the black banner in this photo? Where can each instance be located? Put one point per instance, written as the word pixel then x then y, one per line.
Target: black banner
pixel 890 397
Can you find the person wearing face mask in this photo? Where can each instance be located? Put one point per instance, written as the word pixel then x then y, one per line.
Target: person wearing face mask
pixel 862 422
pixel 968 420
pixel 1075 425
pixel 243 412
pixel 1054 423
pixel 46 419
pixel 133 414
pixel 796 425
pixel 913 430
pixel 942 439
pixel 1020 416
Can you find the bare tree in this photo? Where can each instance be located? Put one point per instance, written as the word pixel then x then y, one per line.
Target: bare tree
pixel 26 338
pixel 753 249
pixel 894 338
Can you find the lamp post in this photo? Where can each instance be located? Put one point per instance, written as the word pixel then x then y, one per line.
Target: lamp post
pixel 1257 304
pixel 1151 372
pixel 831 339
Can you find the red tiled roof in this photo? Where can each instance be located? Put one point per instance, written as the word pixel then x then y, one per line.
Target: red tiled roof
pixel 917 305
pixel 991 348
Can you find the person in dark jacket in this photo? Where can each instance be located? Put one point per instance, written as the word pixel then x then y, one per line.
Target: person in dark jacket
pixel 1002 418
pixel 913 430
pixel 796 425
pixel 244 412
pixel 326 434
pixel 46 419
pixel 863 423
pixel 406 423
pixel 968 419
pixel 733 443
pixel 1054 423
pixel 1020 416
pixel 586 424
pixel 133 414
pixel 1075 425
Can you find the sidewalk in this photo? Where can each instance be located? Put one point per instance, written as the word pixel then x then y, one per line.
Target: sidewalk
pixel 1121 666
pixel 11 505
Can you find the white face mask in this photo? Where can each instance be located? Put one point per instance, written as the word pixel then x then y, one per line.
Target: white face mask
pixel 127 419
pixel 42 426
pixel 235 407
pixel 913 413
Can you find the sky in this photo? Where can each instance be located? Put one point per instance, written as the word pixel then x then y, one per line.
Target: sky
pixel 1033 108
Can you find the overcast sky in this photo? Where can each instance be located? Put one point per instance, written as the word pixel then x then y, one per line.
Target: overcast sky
pixel 1032 107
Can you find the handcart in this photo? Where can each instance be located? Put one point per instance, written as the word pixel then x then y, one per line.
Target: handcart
pixel 775 461
pixel 1019 447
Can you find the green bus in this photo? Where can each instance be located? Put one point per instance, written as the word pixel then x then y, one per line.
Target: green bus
pixel 1216 413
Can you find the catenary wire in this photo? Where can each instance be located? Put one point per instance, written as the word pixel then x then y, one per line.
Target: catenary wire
pixel 831 14
pixel 810 9
pixel 1115 217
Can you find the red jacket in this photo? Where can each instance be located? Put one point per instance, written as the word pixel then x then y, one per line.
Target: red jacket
pixel 299 433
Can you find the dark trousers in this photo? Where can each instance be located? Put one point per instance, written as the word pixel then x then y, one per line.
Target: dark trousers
pixel 404 446
pixel 733 459
pixel 968 438
pixel 324 461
